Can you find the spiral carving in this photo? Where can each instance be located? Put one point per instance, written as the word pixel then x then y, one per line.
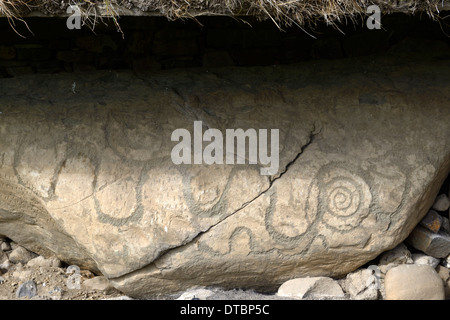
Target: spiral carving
pixel 344 197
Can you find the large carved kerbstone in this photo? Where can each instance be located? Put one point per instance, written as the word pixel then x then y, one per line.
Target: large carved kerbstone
pixel 86 170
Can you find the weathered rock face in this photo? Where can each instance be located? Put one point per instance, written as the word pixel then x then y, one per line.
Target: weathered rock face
pixel 86 170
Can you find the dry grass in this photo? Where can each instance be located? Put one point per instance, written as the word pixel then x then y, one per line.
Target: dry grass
pixel 90 15
pixel 11 10
pixel 14 10
pixel 281 12
pixel 287 12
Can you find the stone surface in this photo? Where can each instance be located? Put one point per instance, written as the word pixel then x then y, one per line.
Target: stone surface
pixel 446 261
pixel 447 289
pixel 442 203
pixel 88 175
pixel 434 244
pixel 445 225
pixel 179 42
pixel 119 298
pixel 20 254
pixel 413 282
pixel 311 288
pixel 27 289
pixel 7 52
pixel 432 221
pixel 95 44
pixel 5 265
pixel 146 64
pixel 444 273
pixel 217 59
pixel 41 261
pixel 362 284
pixel 98 283
pixel 398 255
pixel 5 246
pixel 423 259
pixel 3 257
pixel 197 293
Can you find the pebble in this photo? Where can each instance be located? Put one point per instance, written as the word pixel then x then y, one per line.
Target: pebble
pixel 442 203
pixel 446 262
pixel 4 267
pixel 99 283
pixel 40 261
pixel 5 246
pixel 413 282
pixel 311 288
pixel 445 225
pixel 399 255
pixel 119 298
pixel 27 289
pixel 444 273
pixel 423 259
pixel 432 221
pixel 433 244
pixel 20 255
pixel 362 284
pixel 198 293
pixel 3 257
pixel 87 274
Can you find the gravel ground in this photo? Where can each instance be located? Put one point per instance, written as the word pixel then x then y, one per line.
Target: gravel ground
pixel 52 283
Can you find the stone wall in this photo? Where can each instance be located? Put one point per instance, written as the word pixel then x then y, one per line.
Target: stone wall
pixel 154 43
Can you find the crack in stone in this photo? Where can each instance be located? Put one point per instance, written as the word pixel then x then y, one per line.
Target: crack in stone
pixel 311 137
pixel 312 134
pixel 75 203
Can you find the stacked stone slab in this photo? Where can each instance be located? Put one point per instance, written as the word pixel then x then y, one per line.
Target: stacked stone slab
pixel 432 234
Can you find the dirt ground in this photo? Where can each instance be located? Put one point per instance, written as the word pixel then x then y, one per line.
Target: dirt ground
pixel 51 284
pixel 53 279
pixel 55 283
